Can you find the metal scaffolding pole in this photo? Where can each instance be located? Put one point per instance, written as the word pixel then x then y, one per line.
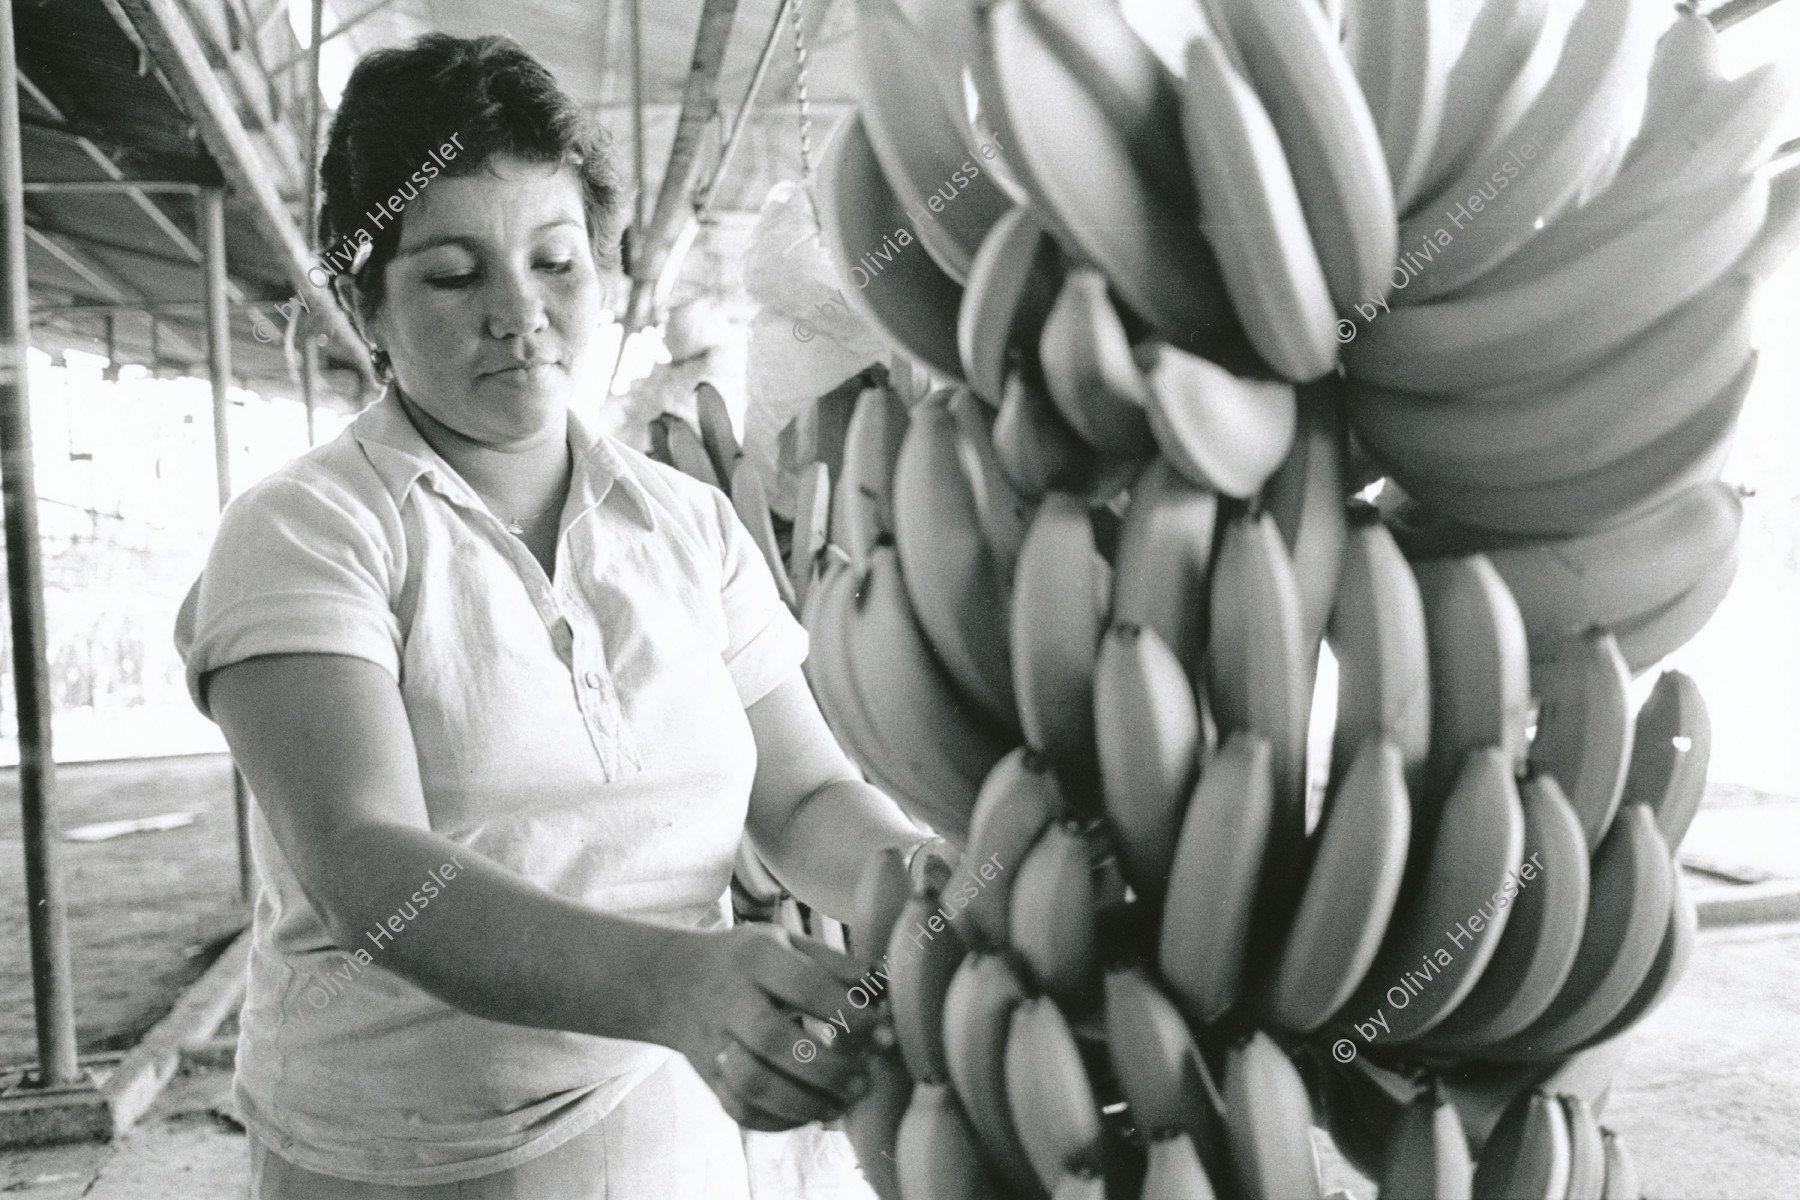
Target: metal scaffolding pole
pixel 218 361
pixel 309 384
pixel 51 978
pixel 315 125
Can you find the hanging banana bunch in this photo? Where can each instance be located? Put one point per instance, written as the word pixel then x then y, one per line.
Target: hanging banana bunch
pixel 1187 288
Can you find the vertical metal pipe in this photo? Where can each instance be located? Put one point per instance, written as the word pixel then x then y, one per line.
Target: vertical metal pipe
pixel 218 333
pixel 51 979
pixel 218 361
pixel 315 110
pixel 639 216
pixel 309 384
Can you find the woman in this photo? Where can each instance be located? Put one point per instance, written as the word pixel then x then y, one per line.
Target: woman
pixel 509 696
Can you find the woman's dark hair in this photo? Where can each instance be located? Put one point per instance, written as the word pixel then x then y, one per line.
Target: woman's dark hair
pixel 402 104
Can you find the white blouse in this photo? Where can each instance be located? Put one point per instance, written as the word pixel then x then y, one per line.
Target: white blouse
pixel 586 731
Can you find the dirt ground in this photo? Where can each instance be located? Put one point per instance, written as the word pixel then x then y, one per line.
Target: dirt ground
pixel 147 911
pixel 1704 1099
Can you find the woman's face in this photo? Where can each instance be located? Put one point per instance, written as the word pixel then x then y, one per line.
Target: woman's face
pixel 491 301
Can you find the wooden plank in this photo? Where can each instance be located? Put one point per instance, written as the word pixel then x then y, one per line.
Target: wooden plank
pixel 149 1066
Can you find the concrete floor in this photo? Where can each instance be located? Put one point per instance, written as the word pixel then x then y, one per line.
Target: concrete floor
pixel 1709 1097
pixel 1706 1099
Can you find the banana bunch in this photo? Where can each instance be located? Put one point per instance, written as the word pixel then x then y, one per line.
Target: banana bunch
pixel 1068 608
pixel 1542 1145
pixel 1008 1083
pixel 1557 375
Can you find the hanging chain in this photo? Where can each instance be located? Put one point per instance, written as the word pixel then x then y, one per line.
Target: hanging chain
pixel 800 94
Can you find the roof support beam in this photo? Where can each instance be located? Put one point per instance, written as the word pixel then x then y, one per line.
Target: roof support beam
pixel 700 100
pixel 115 250
pixel 104 280
pixel 703 193
pixel 111 170
pixel 166 32
pixel 114 186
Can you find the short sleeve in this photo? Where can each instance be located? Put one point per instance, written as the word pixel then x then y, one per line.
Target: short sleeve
pixel 764 643
pixel 293 570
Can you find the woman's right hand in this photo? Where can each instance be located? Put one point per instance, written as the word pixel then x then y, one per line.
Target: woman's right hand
pixel 735 1003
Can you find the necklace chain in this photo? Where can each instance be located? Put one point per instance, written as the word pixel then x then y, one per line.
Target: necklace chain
pixel 516 525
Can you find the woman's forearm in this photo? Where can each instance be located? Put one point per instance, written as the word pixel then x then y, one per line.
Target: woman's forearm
pixel 495 945
pixel 829 837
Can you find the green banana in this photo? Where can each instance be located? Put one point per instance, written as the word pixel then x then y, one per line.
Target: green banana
pixel 812 524
pixel 1003 515
pixel 752 505
pixel 1060 594
pixel 1351 889
pixel 716 432
pixel 862 500
pixel 1268 1123
pixel 1163 565
pixel 1306 497
pixel 873 1123
pixel 1480 666
pixel 978 1012
pixel 1149 740
pixel 1447 929
pixel 1175 1170
pixel 924 720
pixel 1013 281
pixel 950 574
pixel 1566 586
pixel 1091 376
pixel 1158 1066
pixel 1631 893
pixel 1587 1151
pixel 1219 429
pixel 1034 446
pixel 881 896
pixel 1638 480
pixel 1670 754
pixel 1078 163
pixel 1213 887
pixel 1584 727
pixel 1671 960
pixel 1259 678
pixel 1018 800
pixel 1538 947
pixel 1050 916
pixel 1378 633
pixel 908 299
pixel 1528 1152
pixel 1648 639
pixel 1050 1095
pixel 924 951
pixel 1427 1155
pixel 937 1154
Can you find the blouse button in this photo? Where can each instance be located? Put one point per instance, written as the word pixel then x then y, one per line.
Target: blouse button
pixel 592 679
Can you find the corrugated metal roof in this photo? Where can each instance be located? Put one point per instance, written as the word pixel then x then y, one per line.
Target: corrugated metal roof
pixel 91 95
pixel 94 105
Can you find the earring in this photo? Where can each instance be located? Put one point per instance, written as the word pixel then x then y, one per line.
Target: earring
pixel 384 366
